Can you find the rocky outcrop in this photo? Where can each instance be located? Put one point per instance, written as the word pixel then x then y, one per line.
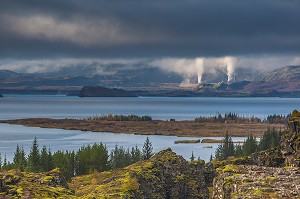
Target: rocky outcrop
pixel 16 184
pixel 290 143
pixel 288 153
pixel 251 181
pixel 273 173
pixel 99 91
pixel 165 175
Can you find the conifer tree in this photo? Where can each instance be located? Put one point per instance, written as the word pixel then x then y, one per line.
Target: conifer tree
pixel 44 162
pixel 211 158
pixel 19 159
pixel 4 162
pixel 50 160
pixel 225 149
pixel 249 146
pixel 192 157
pixel 147 149
pixel 136 154
pixel 34 157
pixel 238 151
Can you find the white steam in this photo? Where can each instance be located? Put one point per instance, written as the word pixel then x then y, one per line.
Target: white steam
pixel 188 68
pixel 230 63
pixel 191 68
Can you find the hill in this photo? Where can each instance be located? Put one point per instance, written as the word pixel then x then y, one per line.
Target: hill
pixel 291 73
pixel 99 91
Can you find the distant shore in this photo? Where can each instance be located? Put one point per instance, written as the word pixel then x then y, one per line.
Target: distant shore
pixel 155 127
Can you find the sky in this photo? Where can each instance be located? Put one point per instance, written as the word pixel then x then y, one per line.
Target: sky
pixel 46 35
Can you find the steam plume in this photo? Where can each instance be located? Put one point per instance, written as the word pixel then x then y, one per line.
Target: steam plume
pixel 230 64
pixel 199 67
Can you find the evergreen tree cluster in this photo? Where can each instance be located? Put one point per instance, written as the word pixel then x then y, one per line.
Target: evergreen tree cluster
pixel 111 117
pixel 270 139
pixel 229 118
pixel 235 118
pixel 87 159
pixel 282 119
pixel 225 149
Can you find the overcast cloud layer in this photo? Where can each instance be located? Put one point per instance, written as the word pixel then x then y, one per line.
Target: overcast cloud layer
pixel 155 29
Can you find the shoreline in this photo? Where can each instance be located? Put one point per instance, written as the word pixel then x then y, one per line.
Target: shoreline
pixel 185 128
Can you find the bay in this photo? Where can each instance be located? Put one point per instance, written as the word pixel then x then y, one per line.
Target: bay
pixel 58 139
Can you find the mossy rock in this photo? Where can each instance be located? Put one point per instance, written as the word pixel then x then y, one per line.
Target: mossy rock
pixel 165 175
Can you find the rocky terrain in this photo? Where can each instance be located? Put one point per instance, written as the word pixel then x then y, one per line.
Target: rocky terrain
pixel 251 181
pixel 165 175
pixel 273 173
pixel 16 184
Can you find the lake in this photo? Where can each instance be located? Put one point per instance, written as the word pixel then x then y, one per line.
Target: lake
pixel 179 108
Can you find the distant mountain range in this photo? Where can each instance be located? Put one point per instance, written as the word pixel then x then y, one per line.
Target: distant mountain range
pixel 154 81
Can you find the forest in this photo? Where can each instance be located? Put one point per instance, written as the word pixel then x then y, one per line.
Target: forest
pixel 87 159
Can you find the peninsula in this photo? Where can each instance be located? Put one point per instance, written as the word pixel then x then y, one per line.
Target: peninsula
pixel 152 127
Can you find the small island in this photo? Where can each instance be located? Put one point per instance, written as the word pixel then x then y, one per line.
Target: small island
pixel 1 95
pixel 99 91
pixel 186 141
pixel 218 141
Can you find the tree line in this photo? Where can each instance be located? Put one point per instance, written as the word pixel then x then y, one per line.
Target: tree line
pixel 111 117
pixel 87 159
pixel 235 118
pixel 270 139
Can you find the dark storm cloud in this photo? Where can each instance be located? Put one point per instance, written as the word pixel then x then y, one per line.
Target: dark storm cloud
pixel 148 28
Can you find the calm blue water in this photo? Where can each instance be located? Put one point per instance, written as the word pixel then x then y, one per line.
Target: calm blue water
pixel 180 108
pixel 14 106
pixel 58 139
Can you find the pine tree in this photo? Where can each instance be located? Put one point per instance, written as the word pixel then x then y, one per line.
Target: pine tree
pixel 34 157
pixel 192 158
pixel 249 146
pixel 4 162
pixel 211 158
pixel 19 160
pixel 50 160
pixel 225 149
pixel 136 154
pixel 44 162
pixel 147 149
pixel 238 151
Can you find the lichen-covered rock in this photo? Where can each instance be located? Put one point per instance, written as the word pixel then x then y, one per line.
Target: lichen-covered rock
pixel 290 142
pixel 250 181
pixel 165 175
pixel 16 184
pixel 273 173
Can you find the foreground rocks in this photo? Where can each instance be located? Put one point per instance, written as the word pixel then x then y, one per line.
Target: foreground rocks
pixel 274 173
pixel 251 181
pixel 16 184
pixel 165 175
